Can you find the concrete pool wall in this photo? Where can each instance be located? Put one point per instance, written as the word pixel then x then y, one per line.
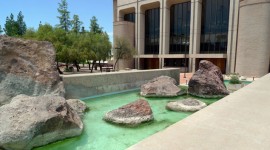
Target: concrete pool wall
pixel 85 85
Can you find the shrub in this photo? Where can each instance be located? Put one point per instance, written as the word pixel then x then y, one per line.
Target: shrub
pixel 235 79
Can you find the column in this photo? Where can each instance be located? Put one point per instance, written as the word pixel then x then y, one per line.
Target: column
pixel 232 36
pixel 140 18
pixel 166 29
pixel 195 32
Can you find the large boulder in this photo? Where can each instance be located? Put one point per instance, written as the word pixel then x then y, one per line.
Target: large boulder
pixel 78 105
pixel 189 105
pixel 29 122
pixel 27 67
pixel 207 81
pixel 131 114
pixel 162 86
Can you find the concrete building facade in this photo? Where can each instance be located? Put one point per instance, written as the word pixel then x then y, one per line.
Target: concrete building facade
pixel 233 34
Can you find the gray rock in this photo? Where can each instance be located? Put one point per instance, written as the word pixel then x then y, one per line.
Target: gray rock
pixel 131 114
pixel 79 106
pixel 190 105
pixel 27 67
pixel 207 81
pixel 29 122
pixel 162 86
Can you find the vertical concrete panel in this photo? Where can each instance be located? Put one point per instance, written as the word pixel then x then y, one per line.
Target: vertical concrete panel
pixel 253 49
pixel 125 29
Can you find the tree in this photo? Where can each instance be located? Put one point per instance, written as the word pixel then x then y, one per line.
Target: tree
pixel 1 30
pixel 122 50
pixel 94 26
pixel 30 33
pixel 103 48
pixel 65 23
pixel 11 26
pixel 21 24
pixel 76 24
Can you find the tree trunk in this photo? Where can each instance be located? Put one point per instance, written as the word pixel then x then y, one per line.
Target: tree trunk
pixel 89 65
pixel 115 64
pixel 77 66
pixel 93 64
pixel 57 66
pixel 100 66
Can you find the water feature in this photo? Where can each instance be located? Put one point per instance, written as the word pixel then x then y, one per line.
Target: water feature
pixel 99 134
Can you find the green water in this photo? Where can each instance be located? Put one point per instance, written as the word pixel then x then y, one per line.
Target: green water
pixel 226 82
pixel 100 135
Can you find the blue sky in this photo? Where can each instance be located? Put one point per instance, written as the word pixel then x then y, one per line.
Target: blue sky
pixel 45 11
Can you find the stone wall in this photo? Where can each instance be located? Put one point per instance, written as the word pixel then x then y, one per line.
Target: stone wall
pixel 81 86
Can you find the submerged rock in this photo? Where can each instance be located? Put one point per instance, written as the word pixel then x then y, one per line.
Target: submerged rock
pixel 162 86
pixel 207 81
pixel 186 105
pixel 27 67
pixel 131 114
pixel 29 122
pixel 79 106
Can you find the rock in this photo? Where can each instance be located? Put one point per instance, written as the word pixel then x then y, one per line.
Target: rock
pixel 207 81
pixel 131 114
pixel 28 122
pixel 162 86
pixel 79 106
pixel 186 105
pixel 27 67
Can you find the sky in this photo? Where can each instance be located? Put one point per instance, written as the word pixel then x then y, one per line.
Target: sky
pixel 45 11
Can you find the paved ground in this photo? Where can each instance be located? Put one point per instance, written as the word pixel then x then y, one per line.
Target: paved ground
pixel 240 121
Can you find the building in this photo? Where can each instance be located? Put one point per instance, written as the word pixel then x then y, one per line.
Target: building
pixel 233 34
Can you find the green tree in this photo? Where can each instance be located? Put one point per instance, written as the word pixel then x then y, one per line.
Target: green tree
pixel 104 48
pixel 30 33
pixel 1 31
pixel 21 24
pixel 94 26
pixel 76 24
pixel 122 50
pixel 65 23
pixel 11 26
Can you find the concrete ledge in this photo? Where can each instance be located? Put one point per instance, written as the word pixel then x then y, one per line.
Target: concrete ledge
pixel 239 121
pixel 85 85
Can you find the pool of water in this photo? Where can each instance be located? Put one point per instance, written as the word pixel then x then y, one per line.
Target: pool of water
pixel 226 82
pixel 99 135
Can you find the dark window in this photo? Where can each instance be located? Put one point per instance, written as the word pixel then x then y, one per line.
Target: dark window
pixel 176 62
pixel 129 17
pixel 214 31
pixel 180 28
pixel 152 25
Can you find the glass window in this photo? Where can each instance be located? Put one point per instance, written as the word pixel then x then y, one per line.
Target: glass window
pixel 129 17
pixel 176 62
pixel 152 26
pixel 180 28
pixel 214 31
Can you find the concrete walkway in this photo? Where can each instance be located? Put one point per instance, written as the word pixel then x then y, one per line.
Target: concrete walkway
pixel 240 121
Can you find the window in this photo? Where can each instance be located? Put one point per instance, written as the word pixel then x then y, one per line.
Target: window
pixel 176 62
pixel 180 28
pixel 152 26
pixel 214 31
pixel 129 17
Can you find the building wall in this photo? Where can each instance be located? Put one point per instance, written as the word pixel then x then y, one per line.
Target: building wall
pixel 125 30
pixel 254 38
pixel 232 57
